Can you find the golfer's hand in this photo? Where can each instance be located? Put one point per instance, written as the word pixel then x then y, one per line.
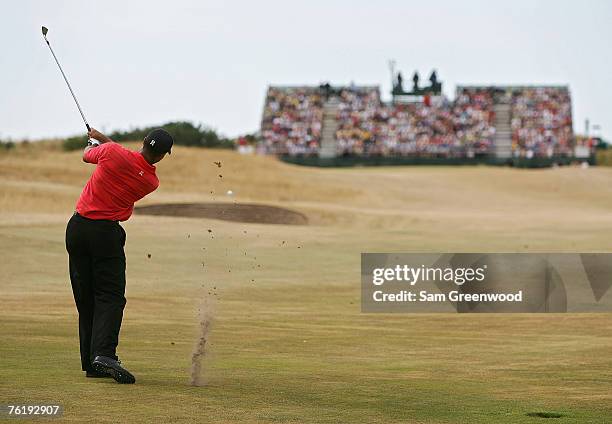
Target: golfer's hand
pixel 97 135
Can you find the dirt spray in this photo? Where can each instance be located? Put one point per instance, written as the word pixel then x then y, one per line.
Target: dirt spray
pixel 198 356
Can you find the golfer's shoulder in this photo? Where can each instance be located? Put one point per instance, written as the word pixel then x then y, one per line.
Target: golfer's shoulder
pixel 98 154
pixel 108 147
pixel 113 148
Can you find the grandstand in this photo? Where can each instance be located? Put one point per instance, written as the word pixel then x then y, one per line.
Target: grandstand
pixel 292 120
pixel 488 122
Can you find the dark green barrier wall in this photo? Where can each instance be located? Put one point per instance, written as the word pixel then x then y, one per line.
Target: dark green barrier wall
pixel 408 160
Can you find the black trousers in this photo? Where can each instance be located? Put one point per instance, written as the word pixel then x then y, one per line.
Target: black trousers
pixel 97 274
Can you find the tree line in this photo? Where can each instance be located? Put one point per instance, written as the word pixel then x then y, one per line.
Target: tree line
pixel 184 133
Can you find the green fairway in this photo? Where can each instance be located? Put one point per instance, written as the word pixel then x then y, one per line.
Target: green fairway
pixel 289 343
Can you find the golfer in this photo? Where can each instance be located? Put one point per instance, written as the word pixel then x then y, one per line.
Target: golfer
pixel 95 241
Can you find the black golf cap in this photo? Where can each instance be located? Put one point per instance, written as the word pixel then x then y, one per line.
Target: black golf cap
pixel 159 141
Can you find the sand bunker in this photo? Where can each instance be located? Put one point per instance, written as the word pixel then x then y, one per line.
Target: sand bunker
pixel 238 212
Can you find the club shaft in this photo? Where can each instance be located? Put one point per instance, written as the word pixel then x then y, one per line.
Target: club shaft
pixel 68 84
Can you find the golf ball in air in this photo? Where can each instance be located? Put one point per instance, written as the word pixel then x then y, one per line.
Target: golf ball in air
pixel 230 193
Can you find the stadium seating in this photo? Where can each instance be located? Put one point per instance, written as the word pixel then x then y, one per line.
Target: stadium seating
pixel 357 112
pixel 291 121
pixel 431 127
pixel 541 121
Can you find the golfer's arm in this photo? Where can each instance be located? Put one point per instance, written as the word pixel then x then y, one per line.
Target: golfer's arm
pixel 87 149
pixel 96 135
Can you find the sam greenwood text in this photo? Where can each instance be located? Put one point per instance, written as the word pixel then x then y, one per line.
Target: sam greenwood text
pixel 453 296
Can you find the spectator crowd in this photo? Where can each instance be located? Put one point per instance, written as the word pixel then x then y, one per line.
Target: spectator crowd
pixel 432 127
pixel 292 119
pixel 541 121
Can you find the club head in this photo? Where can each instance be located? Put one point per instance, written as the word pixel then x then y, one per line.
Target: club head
pixel 45 31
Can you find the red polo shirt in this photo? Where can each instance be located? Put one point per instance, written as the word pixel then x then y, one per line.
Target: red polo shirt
pixel 121 178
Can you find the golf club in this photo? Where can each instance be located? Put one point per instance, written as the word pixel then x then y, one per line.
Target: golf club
pixel 44 33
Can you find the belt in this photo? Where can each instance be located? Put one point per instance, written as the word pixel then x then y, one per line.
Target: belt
pixel 78 215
